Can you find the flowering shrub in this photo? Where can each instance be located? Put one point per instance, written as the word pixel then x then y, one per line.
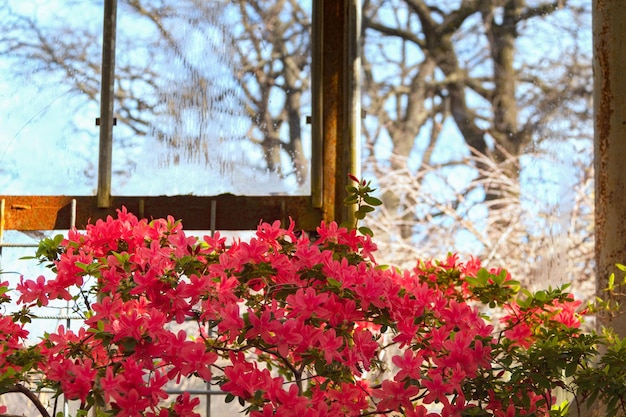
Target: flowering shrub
pixel 289 326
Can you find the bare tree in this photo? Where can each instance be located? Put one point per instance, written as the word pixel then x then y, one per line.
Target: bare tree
pixel 470 63
pixel 542 240
pixel 271 49
pixel 188 73
pixel 509 80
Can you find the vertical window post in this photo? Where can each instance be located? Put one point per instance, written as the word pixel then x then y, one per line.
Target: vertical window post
pixel 106 104
pixel 352 91
pixel 341 104
pixel 317 104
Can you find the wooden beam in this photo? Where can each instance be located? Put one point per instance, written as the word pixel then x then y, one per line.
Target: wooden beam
pixel 222 212
pixel 107 94
pixel 332 107
pixel 341 111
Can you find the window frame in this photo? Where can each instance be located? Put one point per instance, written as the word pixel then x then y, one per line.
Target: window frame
pixel 335 150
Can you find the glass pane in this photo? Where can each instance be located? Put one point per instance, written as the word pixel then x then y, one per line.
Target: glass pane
pixel 211 97
pixel 48 97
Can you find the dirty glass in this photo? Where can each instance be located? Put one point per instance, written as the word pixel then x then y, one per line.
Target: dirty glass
pixel 48 97
pixel 210 97
pixel 216 96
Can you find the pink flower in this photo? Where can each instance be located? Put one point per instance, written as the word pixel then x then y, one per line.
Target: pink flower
pixel 286 336
pixel 33 291
pixel 314 323
pixel 349 399
pixel 292 401
pixel 195 358
pixel 419 411
pixel 263 326
pixel 185 405
pixel 394 395
pixel 409 365
pixel 437 389
pixel 305 302
pixel 566 312
pixel 340 313
pixel 231 320
pixel 130 404
pixel 245 379
pixel 330 345
pixel 271 234
pixel 266 411
pixel 80 383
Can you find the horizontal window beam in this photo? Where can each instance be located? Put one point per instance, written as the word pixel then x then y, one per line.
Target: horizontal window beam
pixel 222 212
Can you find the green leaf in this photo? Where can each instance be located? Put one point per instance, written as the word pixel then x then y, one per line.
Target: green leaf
pixel 366 231
pixel 474 282
pixel 483 276
pixel 372 201
pixel 611 285
pixel 352 199
pixel 513 283
pixel 129 344
pixel 526 292
pixel 570 369
pixel 346 224
pixel 497 279
pixel 333 282
pixel 320 367
pixel 560 410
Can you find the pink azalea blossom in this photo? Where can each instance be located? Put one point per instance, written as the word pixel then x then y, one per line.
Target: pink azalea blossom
pixel 289 326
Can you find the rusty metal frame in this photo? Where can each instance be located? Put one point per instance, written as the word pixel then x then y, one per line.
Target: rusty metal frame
pixel 335 142
pixel 609 58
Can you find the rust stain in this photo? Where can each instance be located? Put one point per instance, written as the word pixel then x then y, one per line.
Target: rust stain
pixel 609 145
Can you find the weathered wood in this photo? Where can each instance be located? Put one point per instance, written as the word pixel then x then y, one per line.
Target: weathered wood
pixel 230 212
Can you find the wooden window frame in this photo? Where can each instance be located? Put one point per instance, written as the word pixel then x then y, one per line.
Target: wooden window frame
pixel 336 138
